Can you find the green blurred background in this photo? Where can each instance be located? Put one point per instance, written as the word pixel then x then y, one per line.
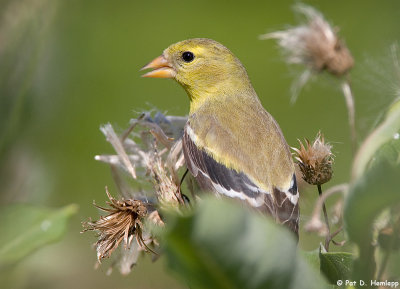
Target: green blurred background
pixel 66 67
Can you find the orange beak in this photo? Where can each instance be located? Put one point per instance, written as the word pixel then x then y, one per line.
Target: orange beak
pixel 162 68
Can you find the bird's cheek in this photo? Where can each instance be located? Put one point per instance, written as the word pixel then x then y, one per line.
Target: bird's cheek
pixel 181 78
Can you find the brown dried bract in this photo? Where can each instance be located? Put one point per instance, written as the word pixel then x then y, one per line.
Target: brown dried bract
pixel 123 223
pixel 315 161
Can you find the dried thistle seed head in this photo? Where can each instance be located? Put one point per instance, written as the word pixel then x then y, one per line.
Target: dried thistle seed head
pixel 146 150
pixel 315 160
pixel 314 44
pixel 123 223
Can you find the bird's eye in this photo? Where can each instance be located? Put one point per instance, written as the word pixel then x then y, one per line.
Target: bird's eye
pixel 187 56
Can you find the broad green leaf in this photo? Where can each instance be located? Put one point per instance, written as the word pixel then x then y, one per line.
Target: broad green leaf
pixel 312 258
pixel 25 228
pixel 389 152
pixel 376 190
pixel 224 245
pixel 336 265
pixel 388 130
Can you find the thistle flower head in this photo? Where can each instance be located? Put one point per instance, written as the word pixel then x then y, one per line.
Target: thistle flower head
pixel 314 44
pixel 315 160
pixel 145 151
pixel 123 223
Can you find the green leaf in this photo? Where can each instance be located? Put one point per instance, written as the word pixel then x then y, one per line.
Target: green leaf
pixel 389 152
pixel 312 258
pixel 224 245
pixel 376 190
pixel 25 228
pixel 386 131
pixel 336 265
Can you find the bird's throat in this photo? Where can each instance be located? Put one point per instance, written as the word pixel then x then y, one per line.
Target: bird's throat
pixel 213 94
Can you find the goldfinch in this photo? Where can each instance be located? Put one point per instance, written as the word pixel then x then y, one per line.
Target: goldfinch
pixel 232 145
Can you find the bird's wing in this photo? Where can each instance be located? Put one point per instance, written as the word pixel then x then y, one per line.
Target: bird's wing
pixel 216 177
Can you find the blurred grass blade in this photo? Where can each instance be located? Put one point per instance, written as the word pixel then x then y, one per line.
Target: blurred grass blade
pixel 25 228
pixel 24 28
pixel 385 132
pixel 223 245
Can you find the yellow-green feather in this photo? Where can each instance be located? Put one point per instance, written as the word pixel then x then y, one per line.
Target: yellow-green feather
pixel 240 134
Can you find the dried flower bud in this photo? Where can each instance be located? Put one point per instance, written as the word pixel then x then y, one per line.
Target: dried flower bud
pixel 123 222
pixel 316 225
pixel 315 161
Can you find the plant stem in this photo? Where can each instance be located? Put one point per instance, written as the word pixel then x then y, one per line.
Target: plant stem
pixel 328 236
pixel 348 96
pixel 384 262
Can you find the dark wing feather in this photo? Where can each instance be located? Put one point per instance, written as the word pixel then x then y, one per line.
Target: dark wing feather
pixel 286 212
pixel 215 177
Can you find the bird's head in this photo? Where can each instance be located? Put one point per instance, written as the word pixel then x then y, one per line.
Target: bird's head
pixel 202 66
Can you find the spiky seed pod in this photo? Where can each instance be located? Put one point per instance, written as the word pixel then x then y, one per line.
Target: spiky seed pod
pixel 123 223
pixel 315 160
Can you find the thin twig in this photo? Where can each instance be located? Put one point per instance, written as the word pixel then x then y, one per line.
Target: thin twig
pixel 334 234
pixel 115 141
pixel 324 196
pixel 131 127
pixel 315 223
pixel 328 236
